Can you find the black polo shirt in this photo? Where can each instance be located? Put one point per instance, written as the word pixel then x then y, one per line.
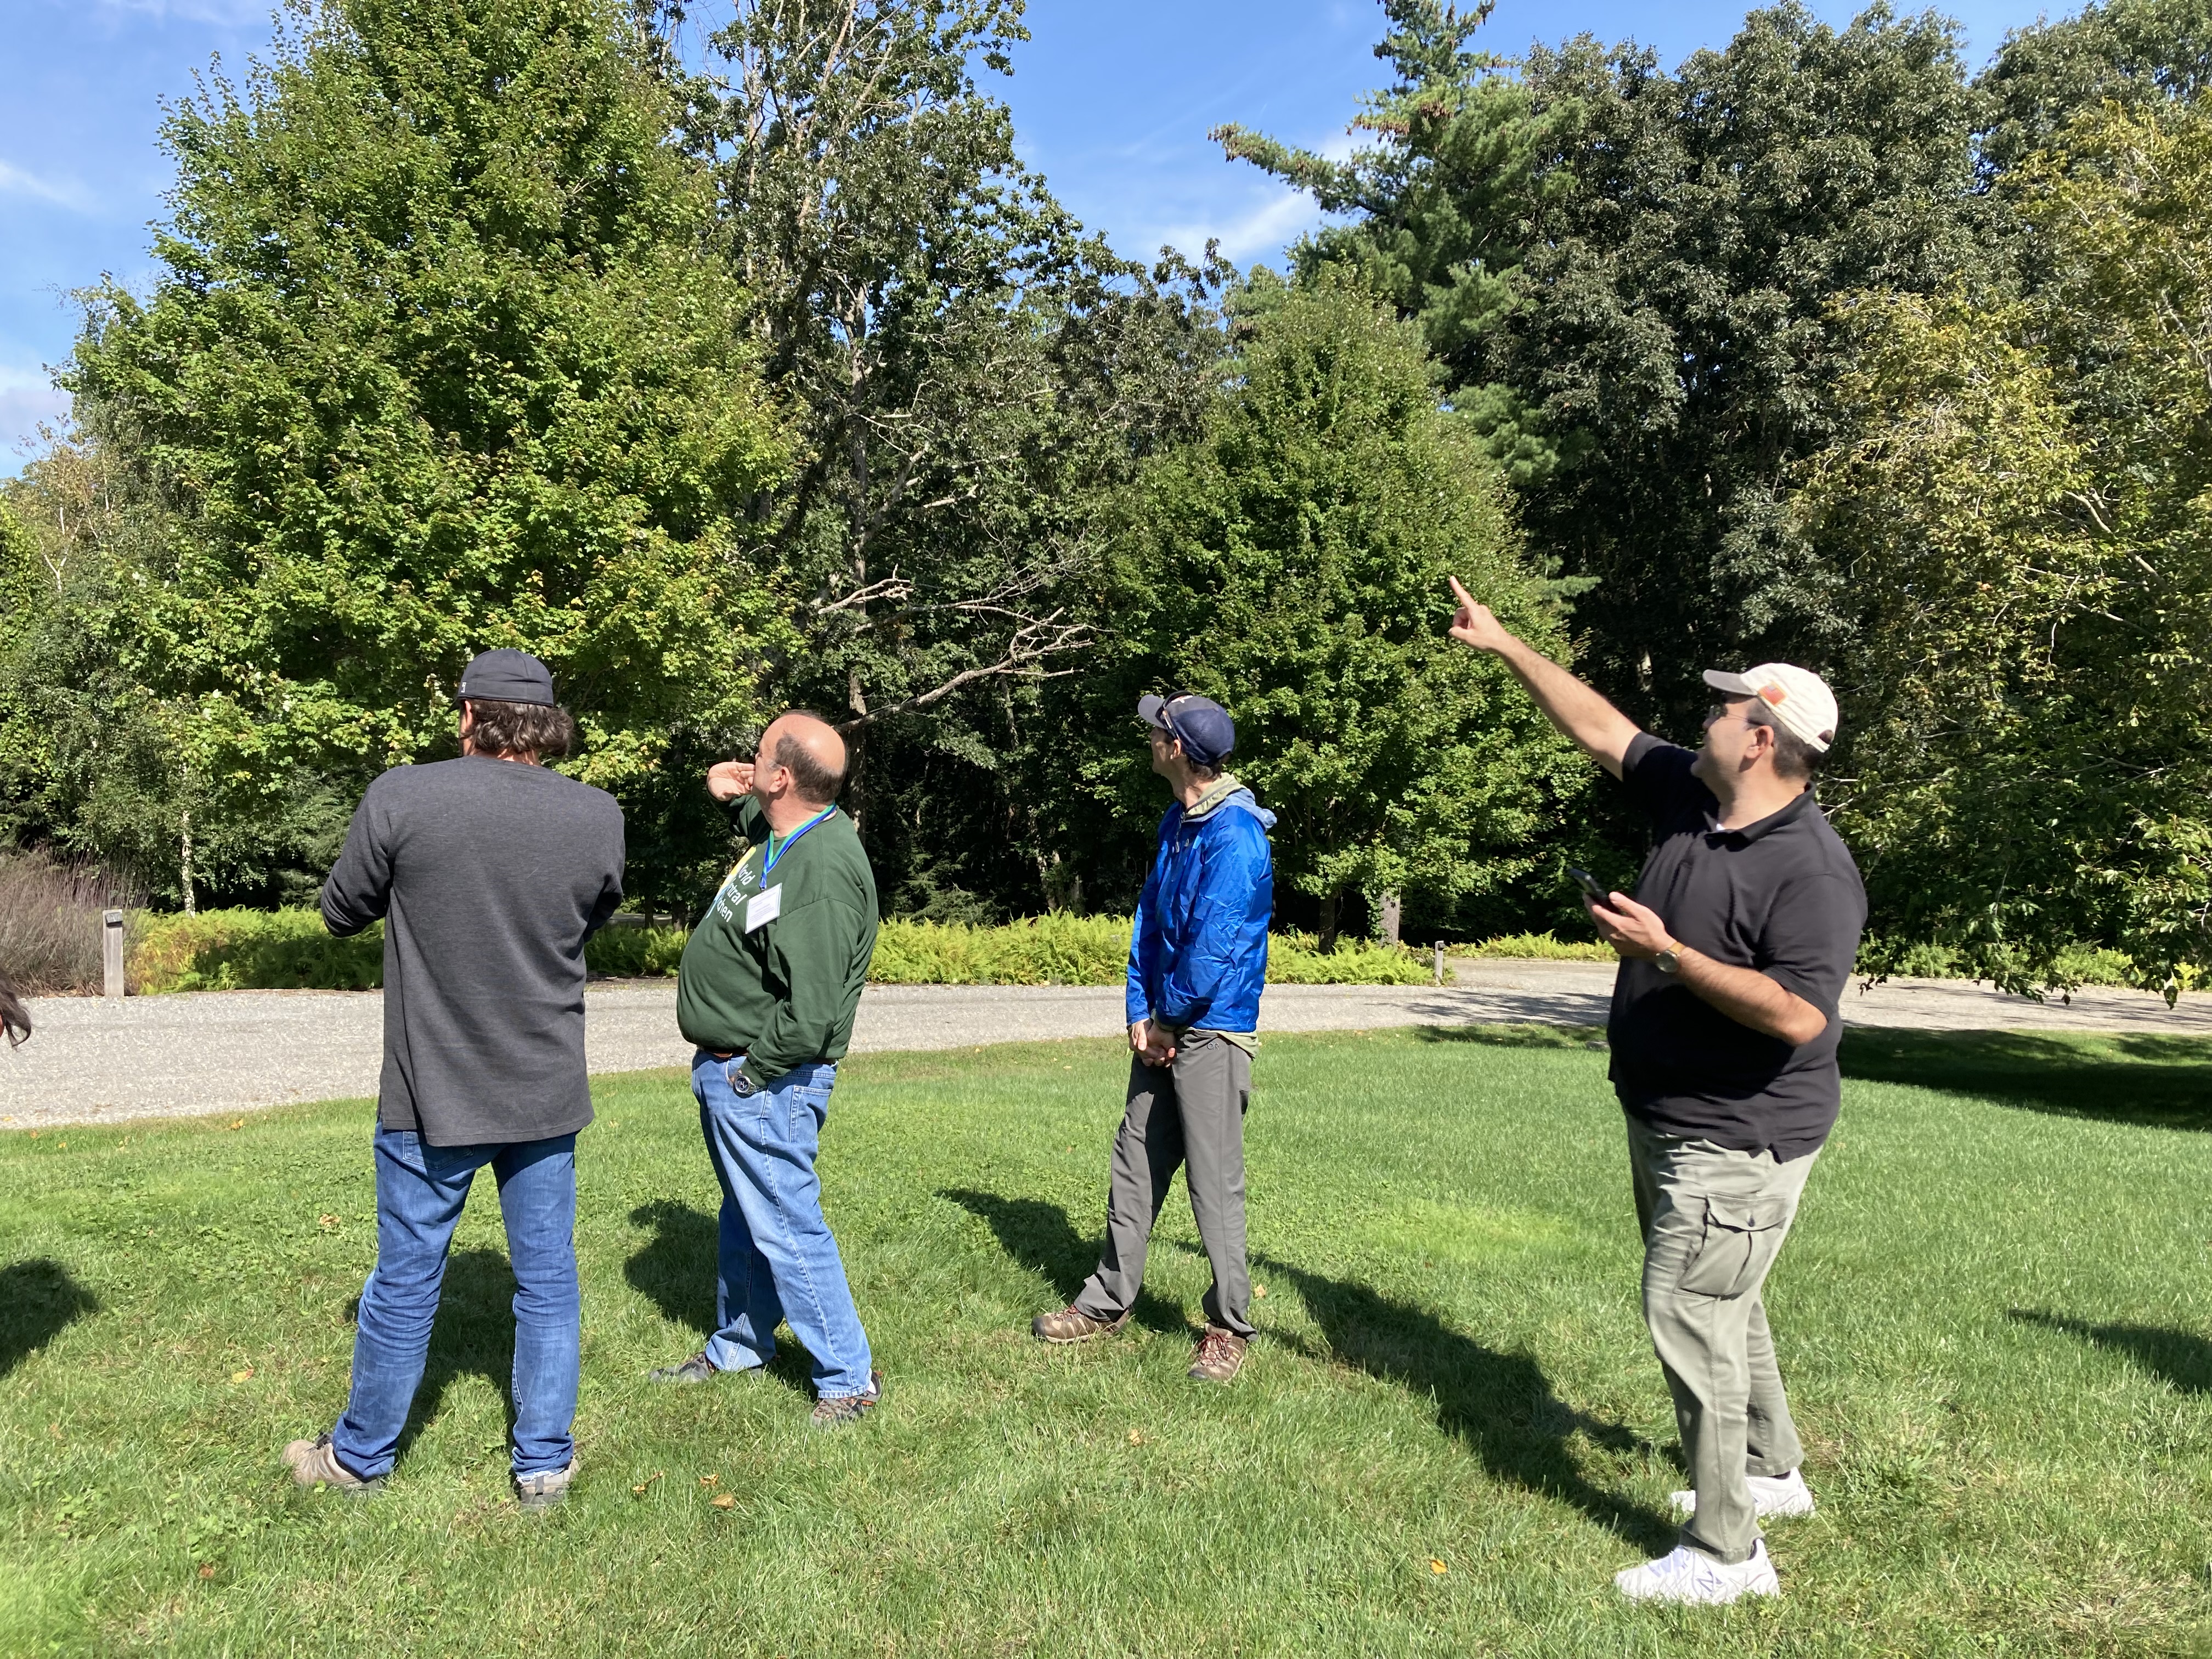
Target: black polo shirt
pixel 1781 896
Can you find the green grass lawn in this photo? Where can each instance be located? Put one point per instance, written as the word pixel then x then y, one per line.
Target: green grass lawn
pixel 1994 1315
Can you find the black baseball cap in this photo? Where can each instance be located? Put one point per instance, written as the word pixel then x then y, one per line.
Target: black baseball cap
pixel 1201 725
pixel 505 676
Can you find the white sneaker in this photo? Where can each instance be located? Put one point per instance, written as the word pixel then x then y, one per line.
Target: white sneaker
pixel 1774 1497
pixel 1690 1578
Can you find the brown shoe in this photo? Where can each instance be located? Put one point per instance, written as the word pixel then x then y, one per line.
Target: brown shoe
pixel 1221 1353
pixel 1071 1325
pixel 313 1463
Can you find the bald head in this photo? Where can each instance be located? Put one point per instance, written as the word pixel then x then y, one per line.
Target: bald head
pixel 808 748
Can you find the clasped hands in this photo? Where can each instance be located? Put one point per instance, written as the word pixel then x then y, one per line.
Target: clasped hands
pixel 1152 1042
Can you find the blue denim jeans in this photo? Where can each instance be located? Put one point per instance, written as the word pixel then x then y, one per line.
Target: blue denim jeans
pixel 420 1189
pixel 778 1259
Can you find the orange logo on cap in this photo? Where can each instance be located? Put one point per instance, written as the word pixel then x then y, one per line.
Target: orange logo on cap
pixel 1775 694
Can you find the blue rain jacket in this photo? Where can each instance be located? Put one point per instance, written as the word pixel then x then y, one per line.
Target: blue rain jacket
pixel 1198 955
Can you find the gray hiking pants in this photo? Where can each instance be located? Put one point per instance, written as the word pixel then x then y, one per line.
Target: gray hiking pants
pixel 1713 1221
pixel 1188 1115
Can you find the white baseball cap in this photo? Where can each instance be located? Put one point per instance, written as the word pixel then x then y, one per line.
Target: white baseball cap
pixel 1799 699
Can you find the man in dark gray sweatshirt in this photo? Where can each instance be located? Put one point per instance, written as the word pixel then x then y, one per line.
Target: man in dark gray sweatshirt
pixel 489 872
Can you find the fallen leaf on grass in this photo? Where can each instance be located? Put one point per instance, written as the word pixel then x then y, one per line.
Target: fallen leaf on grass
pixel 724 1502
pixel 1436 1566
pixel 649 1480
pixel 207 1570
pixel 1136 1438
pixel 327 1223
pixel 1259 1289
pixel 64 1145
pixel 235 1123
pixel 709 1480
pixel 241 1376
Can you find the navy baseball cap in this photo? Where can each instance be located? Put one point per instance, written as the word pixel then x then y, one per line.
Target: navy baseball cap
pixel 505 676
pixel 1201 725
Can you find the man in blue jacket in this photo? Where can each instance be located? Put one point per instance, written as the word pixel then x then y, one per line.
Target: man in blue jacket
pixel 1198 960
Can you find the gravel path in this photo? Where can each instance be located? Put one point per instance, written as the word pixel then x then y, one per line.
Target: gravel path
pixel 230 1051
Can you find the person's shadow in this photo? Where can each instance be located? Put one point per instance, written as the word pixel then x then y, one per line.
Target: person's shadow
pixel 1498 1405
pixel 1041 1238
pixel 472 1335
pixel 676 1270
pixel 2183 1358
pixel 38 1300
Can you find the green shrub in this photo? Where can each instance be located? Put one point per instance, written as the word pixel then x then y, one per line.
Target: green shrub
pixel 253 950
pixel 1541 947
pixel 1058 949
pixel 287 949
pixel 1299 959
pixel 635 952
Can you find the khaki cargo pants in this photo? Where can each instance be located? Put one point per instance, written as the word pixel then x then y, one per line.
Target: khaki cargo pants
pixel 1713 1221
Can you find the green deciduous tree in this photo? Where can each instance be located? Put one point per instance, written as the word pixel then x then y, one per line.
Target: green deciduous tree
pixel 2023 504
pixel 970 376
pixel 1627 274
pixel 444 353
pixel 1291 563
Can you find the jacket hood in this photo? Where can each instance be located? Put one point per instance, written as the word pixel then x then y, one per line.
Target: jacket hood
pixel 1227 792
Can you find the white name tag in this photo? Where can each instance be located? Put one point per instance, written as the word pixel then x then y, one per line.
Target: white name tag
pixel 763 906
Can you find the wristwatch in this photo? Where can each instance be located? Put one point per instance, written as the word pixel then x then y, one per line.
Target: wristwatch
pixel 1669 961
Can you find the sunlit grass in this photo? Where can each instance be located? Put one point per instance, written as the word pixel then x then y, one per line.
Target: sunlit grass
pixel 1995 1316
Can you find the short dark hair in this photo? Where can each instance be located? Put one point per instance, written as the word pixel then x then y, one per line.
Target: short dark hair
pixel 1794 757
pixel 521 728
pixel 816 784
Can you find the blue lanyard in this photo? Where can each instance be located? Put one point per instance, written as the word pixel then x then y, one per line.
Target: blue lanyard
pixel 780 850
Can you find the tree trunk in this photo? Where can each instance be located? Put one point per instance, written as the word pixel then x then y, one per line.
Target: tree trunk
pixel 185 860
pixel 1391 908
pixel 1329 923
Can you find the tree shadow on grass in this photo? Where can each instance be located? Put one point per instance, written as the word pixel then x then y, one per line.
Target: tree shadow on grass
pixel 38 1300
pixel 2182 1357
pixel 1498 1405
pixel 1041 1238
pixel 2162 1081
pixel 676 1270
pixel 472 1336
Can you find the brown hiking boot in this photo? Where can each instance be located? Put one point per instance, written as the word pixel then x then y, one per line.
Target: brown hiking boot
pixel 1071 1325
pixel 1221 1353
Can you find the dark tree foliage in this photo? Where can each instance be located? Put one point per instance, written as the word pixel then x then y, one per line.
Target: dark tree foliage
pixel 1628 275
pixel 2136 53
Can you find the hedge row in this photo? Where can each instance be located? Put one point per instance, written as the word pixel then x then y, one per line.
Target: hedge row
pixel 287 950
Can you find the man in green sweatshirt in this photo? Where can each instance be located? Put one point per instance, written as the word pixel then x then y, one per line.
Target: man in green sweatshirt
pixel 766 992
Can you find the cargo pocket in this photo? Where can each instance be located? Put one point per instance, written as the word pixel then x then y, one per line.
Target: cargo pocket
pixel 1739 1246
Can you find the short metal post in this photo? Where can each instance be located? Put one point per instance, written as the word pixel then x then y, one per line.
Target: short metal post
pixel 1440 961
pixel 111 955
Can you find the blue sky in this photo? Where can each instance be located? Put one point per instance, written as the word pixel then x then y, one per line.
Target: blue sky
pixel 1112 101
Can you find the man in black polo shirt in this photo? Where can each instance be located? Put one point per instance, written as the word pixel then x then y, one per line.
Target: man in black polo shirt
pixel 1734 956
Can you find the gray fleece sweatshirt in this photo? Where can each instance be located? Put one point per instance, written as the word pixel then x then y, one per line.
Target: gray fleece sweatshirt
pixel 489 875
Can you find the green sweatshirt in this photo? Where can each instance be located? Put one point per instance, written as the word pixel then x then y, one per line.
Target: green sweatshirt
pixel 782 993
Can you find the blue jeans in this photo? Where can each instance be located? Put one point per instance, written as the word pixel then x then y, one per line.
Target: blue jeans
pixel 778 1259
pixel 420 1189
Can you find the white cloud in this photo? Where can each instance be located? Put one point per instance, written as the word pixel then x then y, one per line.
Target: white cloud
pixel 20 181
pixel 1261 230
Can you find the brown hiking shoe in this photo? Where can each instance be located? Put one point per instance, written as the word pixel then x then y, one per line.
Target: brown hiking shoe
pixel 835 1411
pixel 1221 1353
pixel 313 1463
pixel 1071 1325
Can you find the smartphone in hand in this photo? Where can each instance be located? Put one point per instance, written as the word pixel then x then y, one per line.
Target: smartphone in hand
pixel 1592 888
